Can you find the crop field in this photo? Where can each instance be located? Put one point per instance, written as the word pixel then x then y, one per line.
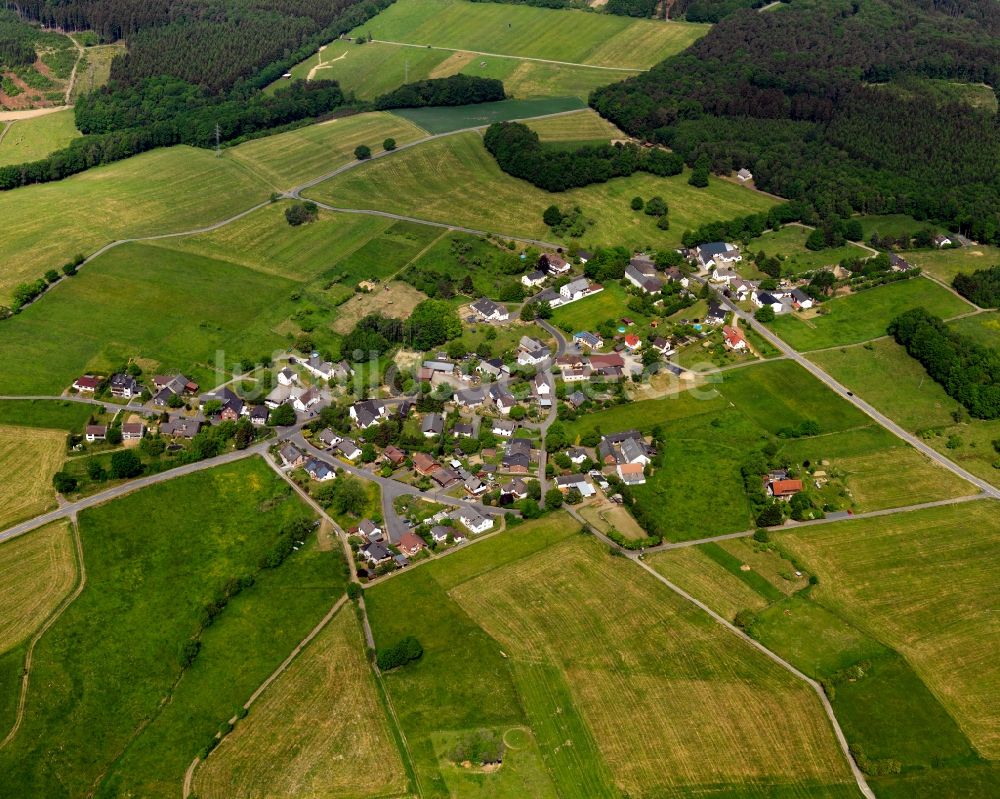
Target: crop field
pixel 127 289
pixel 586 126
pixel 692 570
pixel 28 459
pixel 866 315
pixel 52 414
pixel 915 401
pixel 33 139
pixel 163 191
pixel 112 662
pixel 945 264
pixel 703 708
pixel 456 181
pixel 789 246
pixel 319 730
pixel 532 32
pixel 445 119
pixel 265 242
pixel 37 570
pixel 983 328
pixel 920 583
pixel 288 159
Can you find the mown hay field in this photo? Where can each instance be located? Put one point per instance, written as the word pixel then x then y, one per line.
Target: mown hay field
pixel 701 708
pixel 924 583
pixel 33 139
pixel 318 731
pixel 28 459
pixel 37 571
pixel 582 126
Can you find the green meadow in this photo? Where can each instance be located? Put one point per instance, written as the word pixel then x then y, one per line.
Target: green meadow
pixel 789 245
pixel 33 139
pixel 447 119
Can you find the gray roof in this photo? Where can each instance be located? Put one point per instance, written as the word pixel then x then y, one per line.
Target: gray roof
pixel 433 423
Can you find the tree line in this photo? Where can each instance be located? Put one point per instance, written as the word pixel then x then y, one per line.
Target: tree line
pixel 817 123
pixel 432 323
pixel 519 152
pixel 453 90
pixel 981 287
pixel 968 372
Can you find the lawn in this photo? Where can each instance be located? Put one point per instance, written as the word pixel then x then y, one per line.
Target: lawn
pixel 112 661
pixel 945 264
pixel 920 583
pixel 176 309
pixel 456 181
pixel 894 225
pixel 789 246
pixel 588 313
pixel 526 31
pixel 866 315
pixel 162 191
pixel 319 730
pixel 33 139
pixel 647 414
pixel 28 459
pixel 586 126
pixel 915 401
pixel 704 709
pixel 291 158
pixel 444 119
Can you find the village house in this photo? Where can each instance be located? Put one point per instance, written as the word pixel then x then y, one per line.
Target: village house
pixel 470 397
pixel 368 413
pixel 587 339
pixel 168 386
pixel 257 414
pixel 96 432
pixel 577 455
pixel 764 299
pixel 291 456
pixel 125 386
pixel 631 473
pixel 424 464
pixel 534 279
pixel 716 314
pixel 942 241
pixel 503 427
pixel 490 311
pixel 725 275
pixel 625 447
pixel 325 370
pixel 432 425
pixel 662 346
pixel 898 263
pixel 744 175
pixel 800 300
pixel 180 427
pixel 370 530
pixel 675 275
pixel 328 438
pixel 542 389
pixel 577 481
pixel 641 273
pixel 492 367
pixel 475 522
pixel 514 491
pixel 320 470
pixel 632 342
pixel 132 431
pixel 410 543
pixel 533 357
pixel 517 456
pixel 741 288
pixel 733 339
pixel 306 400
pixel 716 254
pixel 502 398
pixel 393 455
pixel 87 384
pixel 440 533
pixel 577 289
pixel 375 553
pixel 286 377
pixel 554 264
pixel 462 430
pixel 348 449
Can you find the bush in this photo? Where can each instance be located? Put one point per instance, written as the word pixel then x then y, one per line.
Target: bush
pixel 762 535
pixel 125 464
pixel 189 651
pixel 63 482
pixel 637 203
pixel 362 152
pixel 301 213
pixel 404 651
pixel 389 144
pixel 282 416
pixel 765 314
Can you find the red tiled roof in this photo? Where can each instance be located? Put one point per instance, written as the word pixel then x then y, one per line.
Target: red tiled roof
pixel 782 488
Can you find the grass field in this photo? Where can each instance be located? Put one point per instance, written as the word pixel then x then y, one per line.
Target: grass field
pixel 647 414
pixel 455 180
pixel 394 299
pixel 866 315
pixel 789 246
pixel 894 225
pixel 923 585
pixel 52 414
pixel 33 139
pixel 157 192
pixel 318 731
pixel 291 158
pixel 36 571
pixel 945 264
pixel 982 328
pixel 586 126
pixel 703 709
pixel 130 290
pixel 28 459
pixel 533 32
pixel 443 119
pixel 915 401
pixel 112 661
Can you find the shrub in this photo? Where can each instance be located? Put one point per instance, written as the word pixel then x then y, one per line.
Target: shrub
pixel 362 152
pixel 63 482
pixel 406 650
pixel 389 144
pixel 301 213
pixel 125 464
pixel 637 203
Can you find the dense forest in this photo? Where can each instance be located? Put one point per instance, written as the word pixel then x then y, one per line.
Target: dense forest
pixel 806 120
pixel 453 90
pixel 968 372
pixel 518 152
pixel 17 41
pixel 981 287
pixel 711 10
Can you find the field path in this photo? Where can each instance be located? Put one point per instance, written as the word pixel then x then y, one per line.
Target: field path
pixel 515 57
pixel 72 75
pixel 22 698
pixel 10 116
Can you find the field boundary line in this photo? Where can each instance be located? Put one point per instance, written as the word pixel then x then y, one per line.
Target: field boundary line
pixel 859 776
pixel 22 698
pixel 189 774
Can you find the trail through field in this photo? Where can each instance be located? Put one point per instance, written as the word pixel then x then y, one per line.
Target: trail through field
pixel 506 55
pixel 10 116
pixel 322 65
pixel 72 75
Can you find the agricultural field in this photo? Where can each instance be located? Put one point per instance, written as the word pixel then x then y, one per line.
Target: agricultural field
pixel 33 139
pixel 983 328
pixel 915 401
pixel 162 191
pixel 288 159
pixel 644 415
pixel 155 708
pixel 585 126
pixel 445 119
pixel 530 32
pixel 52 414
pixel 945 264
pixel 894 225
pixel 865 315
pixel 789 246
pixel 28 459
pixel 206 316
pixel 319 730
pixel 456 181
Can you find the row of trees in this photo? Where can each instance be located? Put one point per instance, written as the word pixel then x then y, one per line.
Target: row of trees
pixel 453 90
pixel 519 152
pixel 969 372
pixel 981 287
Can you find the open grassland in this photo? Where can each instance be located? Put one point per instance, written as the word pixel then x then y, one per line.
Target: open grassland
pixel 789 246
pixel 33 139
pixel 28 459
pixel 945 264
pixel 319 730
pixel 291 158
pixel 163 191
pixel 923 584
pixel 586 125
pixel 141 301
pixel 647 414
pixel 392 299
pixel 704 709
pixel 532 32
pixel 446 119
pixel 456 181
pixel 265 242
pixel 37 571
pixel 113 660
pixel 52 414
pixel 867 314
pixel 894 225
pixel 915 401
pixel 983 328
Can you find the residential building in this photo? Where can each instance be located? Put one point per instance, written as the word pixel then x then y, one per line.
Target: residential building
pixel 368 413
pixel 475 522
pixel 370 530
pixel 577 455
pixel 641 273
pixel 575 289
pixel 133 430
pixel 432 425
pixel 577 481
pixel 716 313
pixel 800 300
pixel 410 543
pixel 490 311
pixel 258 415
pixel 744 175
pixel 633 342
pixel 733 339
pixel 317 367
pixel 625 447
pixel 87 384
pixel 286 377
pixel 423 463
pixel 320 470
pixel 504 427
pixel 554 264
pixel 470 397
pixel 125 386
pixel 631 473
pixel 502 398
pixel 328 438
pixel 347 448
pixel 375 553
pixel 393 455
pixel 306 400
pixel 534 279
pixel 898 263
pixel 763 299
pixel 517 456
pixel 590 340
pixel 462 430
pixel 96 432
pixel 784 488
pixel 180 427
pixel 291 456
pixel 717 253
pixel 515 490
